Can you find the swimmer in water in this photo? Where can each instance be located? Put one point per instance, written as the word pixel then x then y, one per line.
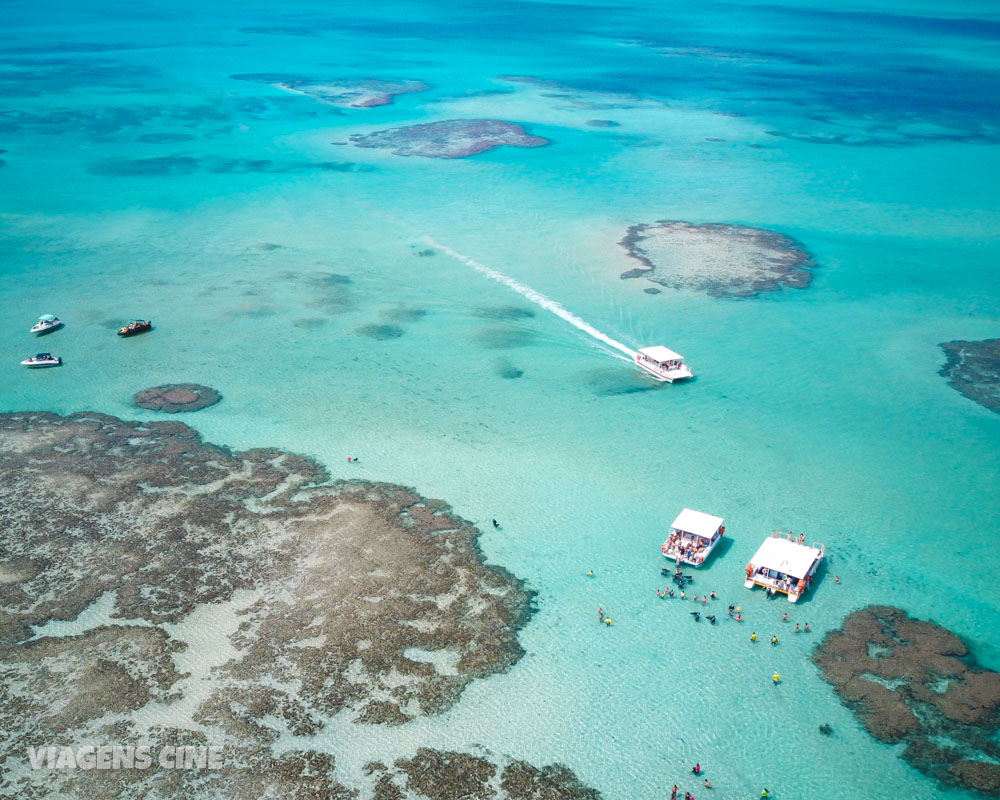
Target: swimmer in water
pixel 836 579
pixel 696 769
pixel 682 595
pixel 714 595
pixel 708 783
pixel 704 598
pixel 696 615
pixel 784 617
pixel 711 618
pixel 739 617
pixel 807 628
pixel 753 636
pixel 774 640
pixel 796 627
pixel 496 524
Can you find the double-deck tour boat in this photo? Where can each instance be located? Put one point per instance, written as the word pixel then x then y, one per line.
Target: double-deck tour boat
pixel 46 323
pixel 784 563
pixel 662 363
pixel 135 326
pixel 42 360
pixel 693 536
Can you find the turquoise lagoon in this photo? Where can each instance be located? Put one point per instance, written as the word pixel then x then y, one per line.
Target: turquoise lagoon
pixel 141 180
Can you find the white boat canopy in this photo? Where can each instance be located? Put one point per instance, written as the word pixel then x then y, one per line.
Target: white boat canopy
pixel 660 353
pixel 703 525
pixel 791 558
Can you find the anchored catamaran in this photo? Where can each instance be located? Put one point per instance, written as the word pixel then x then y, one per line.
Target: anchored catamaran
pixel 693 537
pixel 784 563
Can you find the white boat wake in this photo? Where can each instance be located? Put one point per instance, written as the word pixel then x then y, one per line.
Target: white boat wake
pixel 535 297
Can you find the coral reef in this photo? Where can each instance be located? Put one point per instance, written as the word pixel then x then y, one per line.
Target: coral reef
pixel 340 92
pixel 345 596
pixel 453 138
pixel 446 775
pixel 973 368
pixel 914 682
pixel 176 397
pixel 723 260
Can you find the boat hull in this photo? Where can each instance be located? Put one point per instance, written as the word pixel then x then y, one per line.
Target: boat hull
pixel 125 332
pixel 46 329
pixel 696 561
pixel 669 377
pixel 30 365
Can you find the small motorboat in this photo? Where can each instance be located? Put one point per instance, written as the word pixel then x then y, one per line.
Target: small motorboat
pixel 135 326
pixel 46 323
pixel 42 360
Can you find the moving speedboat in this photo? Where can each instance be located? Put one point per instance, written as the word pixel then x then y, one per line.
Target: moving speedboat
pixel 42 360
pixel 663 364
pixel 135 326
pixel 46 323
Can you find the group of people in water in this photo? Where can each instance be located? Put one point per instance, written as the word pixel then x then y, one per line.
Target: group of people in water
pixel 696 770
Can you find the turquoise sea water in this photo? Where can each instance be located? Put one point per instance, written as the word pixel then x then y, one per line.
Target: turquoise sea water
pixel 140 180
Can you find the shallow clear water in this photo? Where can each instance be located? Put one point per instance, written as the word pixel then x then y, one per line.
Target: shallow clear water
pixel 866 134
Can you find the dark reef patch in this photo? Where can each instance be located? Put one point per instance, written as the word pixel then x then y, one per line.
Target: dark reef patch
pixel 508 371
pixel 329 292
pixel 722 260
pixel 187 165
pixel 279 30
pixel 973 368
pixel 453 138
pixel 310 323
pixel 504 338
pixel 448 775
pixel 177 397
pixel 602 123
pixel 504 312
pixel 166 138
pixel 915 682
pixel 380 332
pixel 405 314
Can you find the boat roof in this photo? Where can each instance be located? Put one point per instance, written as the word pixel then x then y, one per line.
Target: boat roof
pixel 703 525
pixel 47 318
pixel 791 558
pixel 660 353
